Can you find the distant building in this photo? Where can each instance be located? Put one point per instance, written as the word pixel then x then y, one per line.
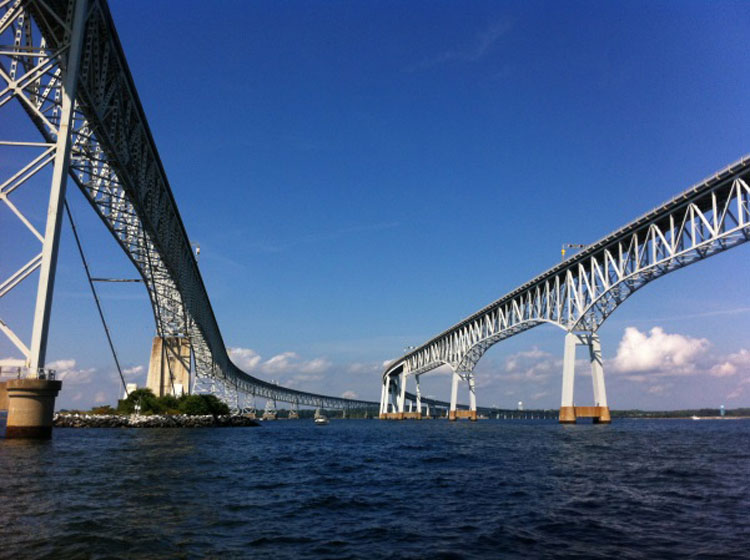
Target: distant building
pixel 520 405
pixel 129 388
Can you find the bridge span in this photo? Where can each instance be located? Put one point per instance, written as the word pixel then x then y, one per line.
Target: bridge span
pixel 61 61
pixel 580 293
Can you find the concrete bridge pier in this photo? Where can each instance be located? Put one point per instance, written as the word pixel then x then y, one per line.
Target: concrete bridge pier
pixel 393 399
pixel 31 405
pixel 169 367
pixel 454 413
pixel 568 411
pixel 389 399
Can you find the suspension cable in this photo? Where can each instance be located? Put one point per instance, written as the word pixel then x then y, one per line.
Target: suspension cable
pixel 96 297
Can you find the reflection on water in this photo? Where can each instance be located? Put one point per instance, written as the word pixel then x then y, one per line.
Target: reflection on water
pixel 370 489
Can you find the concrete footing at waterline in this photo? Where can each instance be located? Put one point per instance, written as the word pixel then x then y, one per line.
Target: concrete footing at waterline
pixel 457 414
pixel 401 416
pixel 3 396
pixel 570 414
pixel 31 405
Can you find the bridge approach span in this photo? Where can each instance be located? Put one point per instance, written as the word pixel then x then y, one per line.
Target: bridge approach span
pixel 63 62
pixel 578 294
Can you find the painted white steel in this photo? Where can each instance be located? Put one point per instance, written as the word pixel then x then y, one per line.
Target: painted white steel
pixel 569 360
pixel 46 287
pixel 115 163
pixel 580 293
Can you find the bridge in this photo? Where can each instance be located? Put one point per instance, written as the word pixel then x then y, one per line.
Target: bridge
pixel 62 62
pixel 580 293
pixel 62 68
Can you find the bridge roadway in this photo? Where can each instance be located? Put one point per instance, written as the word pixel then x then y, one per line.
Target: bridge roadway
pixel 67 51
pixel 579 294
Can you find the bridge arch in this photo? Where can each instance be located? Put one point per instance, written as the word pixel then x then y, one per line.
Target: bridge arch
pixel 579 294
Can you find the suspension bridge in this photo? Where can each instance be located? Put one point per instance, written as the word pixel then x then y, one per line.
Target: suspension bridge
pixel 62 63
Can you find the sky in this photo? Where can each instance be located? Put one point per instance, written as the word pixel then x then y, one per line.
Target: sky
pixel 362 175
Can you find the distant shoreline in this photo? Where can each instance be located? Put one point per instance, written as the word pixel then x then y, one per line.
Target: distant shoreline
pixel 681 417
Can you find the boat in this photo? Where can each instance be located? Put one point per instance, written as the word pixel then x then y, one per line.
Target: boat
pixel 320 418
pixel 694 417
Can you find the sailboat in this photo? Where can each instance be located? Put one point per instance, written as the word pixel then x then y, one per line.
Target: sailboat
pixel 320 418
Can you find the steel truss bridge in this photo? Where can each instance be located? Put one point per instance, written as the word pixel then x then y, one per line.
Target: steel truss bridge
pixel 580 293
pixel 63 62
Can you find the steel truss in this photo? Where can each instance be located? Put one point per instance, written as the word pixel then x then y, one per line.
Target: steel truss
pixel 114 162
pixel 580 293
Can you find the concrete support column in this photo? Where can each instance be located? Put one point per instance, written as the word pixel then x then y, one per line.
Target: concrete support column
pixel 472 392
pixel 3 396
pixel 169 368
pixel 401 392
pixel 387 393
pixel 418 392
pixel 454 396
pixel 31 405
pixel 567 412
pixel 597 376
pixel 383 393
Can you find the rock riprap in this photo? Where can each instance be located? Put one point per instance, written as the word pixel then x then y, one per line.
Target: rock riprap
pixel 64 420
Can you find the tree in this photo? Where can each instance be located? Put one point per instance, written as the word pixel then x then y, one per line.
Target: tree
pixel 144 397
pixel 199 405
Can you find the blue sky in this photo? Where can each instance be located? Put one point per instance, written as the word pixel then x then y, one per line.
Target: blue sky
pixel 360 176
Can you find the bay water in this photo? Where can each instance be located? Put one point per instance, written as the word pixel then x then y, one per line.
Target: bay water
pixel 375 489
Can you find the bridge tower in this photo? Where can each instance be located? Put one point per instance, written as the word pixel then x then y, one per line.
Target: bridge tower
pixel 169 367
pixel 568 411
pixel 31 397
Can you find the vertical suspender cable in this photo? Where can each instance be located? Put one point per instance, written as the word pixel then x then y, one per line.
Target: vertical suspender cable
pixel 96 297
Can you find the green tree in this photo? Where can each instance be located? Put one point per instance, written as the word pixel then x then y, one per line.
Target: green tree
pixel 199 405
pixel 194 405
pixel 145 398
pixel 216 406
pixel 169 403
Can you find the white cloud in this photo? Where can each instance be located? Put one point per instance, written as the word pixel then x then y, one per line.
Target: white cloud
pixel 245 358
pixel 315 365
pixel 249 360
pixel 65 370
pixel 131 371
pixel 658 352
pixel 740 389
pixel 531 365
pixel 359 367
pixel 660 390
pixel 349 395
pixel 62 365
pixel 280 363
pixel 100 397
pixel 733 363
pixel 12 362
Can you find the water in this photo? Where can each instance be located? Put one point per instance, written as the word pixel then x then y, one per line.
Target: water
pixel 372 489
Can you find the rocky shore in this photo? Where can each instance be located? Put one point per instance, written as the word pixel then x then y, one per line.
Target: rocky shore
pixel 63 420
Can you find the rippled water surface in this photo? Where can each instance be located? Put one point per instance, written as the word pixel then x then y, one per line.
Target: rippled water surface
pixel 372 489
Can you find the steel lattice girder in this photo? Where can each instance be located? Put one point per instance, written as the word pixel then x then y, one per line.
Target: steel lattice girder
pixel 115 163
pixel 581 292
